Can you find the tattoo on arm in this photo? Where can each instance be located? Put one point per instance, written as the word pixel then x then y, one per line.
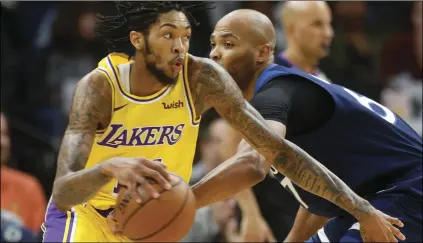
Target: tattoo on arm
pixel 216 88
pixel 91 105
pixel 314 177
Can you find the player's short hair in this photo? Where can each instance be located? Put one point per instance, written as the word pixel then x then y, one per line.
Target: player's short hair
pixel 138 16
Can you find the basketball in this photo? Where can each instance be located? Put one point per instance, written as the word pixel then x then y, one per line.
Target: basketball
pixel 166 219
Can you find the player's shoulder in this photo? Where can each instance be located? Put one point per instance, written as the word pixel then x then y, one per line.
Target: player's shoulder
pixel 280 84
pixel 113 59
pixel 201 65
pixel 95 80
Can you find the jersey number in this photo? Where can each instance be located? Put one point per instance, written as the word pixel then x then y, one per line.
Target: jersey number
pixel 387 115
pixel 116 189
pixel 287 184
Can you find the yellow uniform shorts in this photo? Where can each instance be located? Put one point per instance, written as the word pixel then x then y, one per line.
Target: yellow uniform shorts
pixel 81 224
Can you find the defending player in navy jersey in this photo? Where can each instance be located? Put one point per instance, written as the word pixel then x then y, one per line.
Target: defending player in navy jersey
pixel 308 34
pixel 374 152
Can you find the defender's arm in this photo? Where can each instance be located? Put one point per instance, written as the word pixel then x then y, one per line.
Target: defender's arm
pixel 216 88
pixel 91 105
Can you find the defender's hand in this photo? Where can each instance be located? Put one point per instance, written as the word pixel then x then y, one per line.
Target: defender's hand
pixel 134 174
pixel 379 227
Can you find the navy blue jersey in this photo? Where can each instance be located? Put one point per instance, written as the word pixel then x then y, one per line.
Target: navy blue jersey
pixel 365 144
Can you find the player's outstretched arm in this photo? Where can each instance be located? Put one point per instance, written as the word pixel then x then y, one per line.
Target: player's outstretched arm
pixel 91 105
pixel 216 88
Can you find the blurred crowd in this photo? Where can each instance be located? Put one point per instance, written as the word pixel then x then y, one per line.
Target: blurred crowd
pixel 375 49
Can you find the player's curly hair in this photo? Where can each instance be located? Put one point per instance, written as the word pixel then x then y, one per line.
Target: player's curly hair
pixel 138 16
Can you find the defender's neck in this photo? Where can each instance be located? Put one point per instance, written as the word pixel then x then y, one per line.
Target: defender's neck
pixel 249 93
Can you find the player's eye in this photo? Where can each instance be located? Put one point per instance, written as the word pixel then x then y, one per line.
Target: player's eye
pixel 187 37
pixel 212 44
pixel 228 44
pixel 167 36
pixel 317 23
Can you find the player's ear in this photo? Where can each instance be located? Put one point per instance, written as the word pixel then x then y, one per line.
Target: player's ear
pixel 264 53
pixel 137 39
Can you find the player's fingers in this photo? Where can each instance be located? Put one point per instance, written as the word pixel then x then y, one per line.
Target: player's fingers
pixel 157 177
pixel 131 193
pixel 137 181
pixel 145 185
pixel 111 216
pixel 150 190
pixel 142 193
pixel 396 222
pixel 157 166
pixel 397 233
pixel 130 186
pixel 392 238
pixel 116 229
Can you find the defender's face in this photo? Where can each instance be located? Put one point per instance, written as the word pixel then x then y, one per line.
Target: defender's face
pixel 315 33
pixel 233 51
pixel 168 43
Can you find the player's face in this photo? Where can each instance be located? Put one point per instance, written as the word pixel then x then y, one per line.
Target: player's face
pixel 233 52
pixel 314 34
pixel 166 45
pixel 5 141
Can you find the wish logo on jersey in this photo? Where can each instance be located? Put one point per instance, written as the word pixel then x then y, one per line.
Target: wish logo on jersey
pixel 142 136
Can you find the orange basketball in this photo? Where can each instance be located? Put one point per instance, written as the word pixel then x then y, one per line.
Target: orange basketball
pixel 167 219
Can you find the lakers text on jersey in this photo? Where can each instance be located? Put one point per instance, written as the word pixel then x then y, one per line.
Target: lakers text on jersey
pixel 162 126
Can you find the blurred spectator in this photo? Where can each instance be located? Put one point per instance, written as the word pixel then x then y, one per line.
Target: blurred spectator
pixel 402 68
pixel 308 34
pixel 353 54
pixel 221 9
pixel 12 229
pixel 20 193
pixel 73 53
pixel 211 220
pixel 210 145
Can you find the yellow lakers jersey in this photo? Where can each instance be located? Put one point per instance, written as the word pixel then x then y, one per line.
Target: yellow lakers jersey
pixel 162 126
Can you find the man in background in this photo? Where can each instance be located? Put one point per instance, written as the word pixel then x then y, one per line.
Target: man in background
pixel 308 33
pixel 211 222
pixel 21 194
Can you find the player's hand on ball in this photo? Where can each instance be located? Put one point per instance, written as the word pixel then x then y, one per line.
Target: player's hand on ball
pixel 134 173
pixel 379 227
pixel 113 224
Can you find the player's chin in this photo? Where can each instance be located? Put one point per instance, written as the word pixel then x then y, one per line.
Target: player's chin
pixel 324 51
pixel 172 76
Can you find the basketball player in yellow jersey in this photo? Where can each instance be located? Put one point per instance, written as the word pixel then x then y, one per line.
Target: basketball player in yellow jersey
pixel 131 117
